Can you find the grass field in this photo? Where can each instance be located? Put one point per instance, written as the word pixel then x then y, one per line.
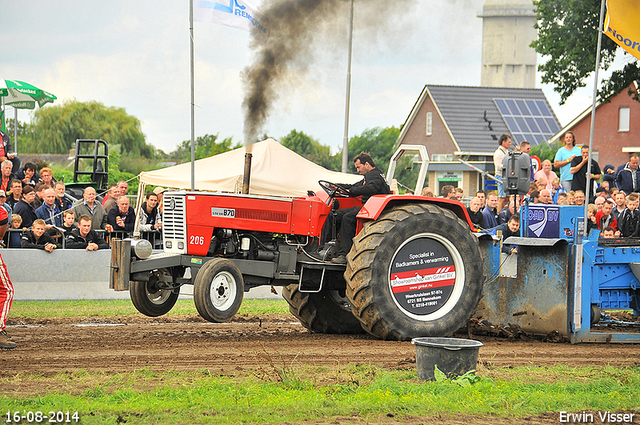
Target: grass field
pixel 79 308
pixel 293 396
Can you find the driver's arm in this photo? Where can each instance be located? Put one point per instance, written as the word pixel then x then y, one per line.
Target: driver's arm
pixel 372 184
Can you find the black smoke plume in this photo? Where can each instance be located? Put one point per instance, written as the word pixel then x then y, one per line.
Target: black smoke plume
pixel 297 28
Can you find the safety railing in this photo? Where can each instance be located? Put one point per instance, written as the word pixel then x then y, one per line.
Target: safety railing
pixel 153 236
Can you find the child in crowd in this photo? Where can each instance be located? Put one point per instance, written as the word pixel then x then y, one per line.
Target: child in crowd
pixel 562 199
pixel 15 236
pixel 556 189
pixel 613 191
pixel 427 191
pixel 571 197
pixel 38 237
pixel 69 223
pixel 592 210
pixel 629 219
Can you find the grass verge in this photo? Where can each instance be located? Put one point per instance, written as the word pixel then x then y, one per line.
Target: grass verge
pixel 363 392
pixel 72 308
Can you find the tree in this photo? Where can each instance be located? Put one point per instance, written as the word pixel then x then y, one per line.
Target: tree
pixel 204 147
pixel 54 129
pixel 24 134
pixel 311 149
pixel 377 142
pixel 546 150
pixel 567 35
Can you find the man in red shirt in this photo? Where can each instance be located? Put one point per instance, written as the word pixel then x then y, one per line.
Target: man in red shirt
pixel 604 218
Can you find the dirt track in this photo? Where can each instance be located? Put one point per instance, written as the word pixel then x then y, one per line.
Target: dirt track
pixel 188 343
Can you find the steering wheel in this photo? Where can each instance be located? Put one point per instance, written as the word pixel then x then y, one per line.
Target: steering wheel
pixel 334 189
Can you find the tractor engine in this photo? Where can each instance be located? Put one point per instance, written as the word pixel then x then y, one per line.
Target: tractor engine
pixel 229 243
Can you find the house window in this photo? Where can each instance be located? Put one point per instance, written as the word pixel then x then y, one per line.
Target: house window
pixel 429 123
pixel 624 116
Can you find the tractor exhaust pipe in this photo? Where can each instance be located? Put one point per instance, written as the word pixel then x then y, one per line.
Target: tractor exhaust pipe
pixel 247 173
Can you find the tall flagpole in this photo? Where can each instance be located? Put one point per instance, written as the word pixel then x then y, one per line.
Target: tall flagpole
pixel 345 142
pixel 193 154
pixel 593 116
pixel 2 124
pixel 15 130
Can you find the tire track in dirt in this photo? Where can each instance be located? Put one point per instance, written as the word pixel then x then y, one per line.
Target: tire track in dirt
pixel 54 347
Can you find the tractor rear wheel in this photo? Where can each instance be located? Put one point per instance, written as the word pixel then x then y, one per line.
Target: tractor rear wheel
pixel 327 311
pixel 416 271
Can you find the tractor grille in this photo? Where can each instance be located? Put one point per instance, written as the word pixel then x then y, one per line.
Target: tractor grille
pixel 262 215
pixel 173 221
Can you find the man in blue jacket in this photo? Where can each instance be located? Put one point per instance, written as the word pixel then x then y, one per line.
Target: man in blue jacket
pixel 627 175
pixel 48 211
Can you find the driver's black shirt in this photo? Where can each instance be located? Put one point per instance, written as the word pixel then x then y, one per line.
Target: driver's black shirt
pixel 372 184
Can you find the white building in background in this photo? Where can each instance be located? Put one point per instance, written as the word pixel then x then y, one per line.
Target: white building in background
pixel 507 31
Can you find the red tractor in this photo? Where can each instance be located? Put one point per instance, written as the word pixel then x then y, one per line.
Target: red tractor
pixel 415 268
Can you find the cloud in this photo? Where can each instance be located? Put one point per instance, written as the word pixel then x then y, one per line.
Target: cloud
pixel 135 55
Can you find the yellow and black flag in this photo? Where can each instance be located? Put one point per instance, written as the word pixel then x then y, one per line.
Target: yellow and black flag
pixel 621 24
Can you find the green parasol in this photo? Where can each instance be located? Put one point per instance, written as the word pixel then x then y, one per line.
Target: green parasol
pixel 21 95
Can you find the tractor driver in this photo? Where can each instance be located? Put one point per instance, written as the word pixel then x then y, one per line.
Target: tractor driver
pixel 373 183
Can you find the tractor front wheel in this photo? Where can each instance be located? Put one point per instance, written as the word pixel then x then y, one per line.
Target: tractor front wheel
pixel 150 298
pixel 218 290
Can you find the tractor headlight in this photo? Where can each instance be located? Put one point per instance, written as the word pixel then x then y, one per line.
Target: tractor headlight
pixel 141 248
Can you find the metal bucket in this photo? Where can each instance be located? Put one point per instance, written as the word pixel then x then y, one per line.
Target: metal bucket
pixel 453 356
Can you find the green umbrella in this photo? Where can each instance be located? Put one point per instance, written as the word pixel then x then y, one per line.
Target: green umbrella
pixel 21 95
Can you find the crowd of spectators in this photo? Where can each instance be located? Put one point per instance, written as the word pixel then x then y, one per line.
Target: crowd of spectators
pixel 613 196
pixel 42 217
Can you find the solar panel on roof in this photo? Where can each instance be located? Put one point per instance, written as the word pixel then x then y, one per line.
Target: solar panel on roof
pixel 528 119
pixel 502 107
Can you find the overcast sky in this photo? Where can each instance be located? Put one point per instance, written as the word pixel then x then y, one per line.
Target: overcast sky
pixel 135 55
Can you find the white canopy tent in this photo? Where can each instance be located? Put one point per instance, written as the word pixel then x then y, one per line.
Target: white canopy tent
pixel 275 171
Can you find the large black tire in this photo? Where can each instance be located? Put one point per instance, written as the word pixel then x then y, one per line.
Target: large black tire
pixel 326 311
pixel 218 290
pixel 151 300
pixel 415 272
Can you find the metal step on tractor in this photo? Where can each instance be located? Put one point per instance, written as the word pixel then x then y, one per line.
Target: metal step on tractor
pixel 416 268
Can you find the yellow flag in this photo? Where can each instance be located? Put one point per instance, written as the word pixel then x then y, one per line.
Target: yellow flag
pixel 621 24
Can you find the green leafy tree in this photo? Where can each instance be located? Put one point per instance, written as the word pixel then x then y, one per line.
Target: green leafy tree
pixel 204 147
pixel 546 150
pixel 24 134
pixel 377 142
pixel 56 128
pixel 306 146
pixel 115 174
pixel 567 37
